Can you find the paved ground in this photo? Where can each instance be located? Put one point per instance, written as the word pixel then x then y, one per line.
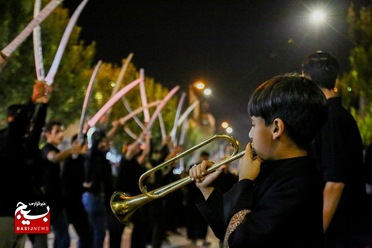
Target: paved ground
pixel 175 241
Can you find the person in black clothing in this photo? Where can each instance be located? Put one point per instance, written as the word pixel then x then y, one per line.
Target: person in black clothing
pixel 18 154
pixel 72 183
pixel 54 133
pixel 196 226
pixel 99 184
pixel 278 199
pixel 339 150
pixel 99 180
pixel 131 167
pixel 38 165
pixel 158 209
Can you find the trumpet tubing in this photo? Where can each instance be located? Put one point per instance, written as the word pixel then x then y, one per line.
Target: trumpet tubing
pixel 123 206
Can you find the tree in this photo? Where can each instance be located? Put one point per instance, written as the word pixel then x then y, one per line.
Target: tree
pixel 73 75
pixel 355 85
pixel 18 76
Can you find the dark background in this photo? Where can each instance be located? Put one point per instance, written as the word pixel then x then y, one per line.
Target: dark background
pixel 231 45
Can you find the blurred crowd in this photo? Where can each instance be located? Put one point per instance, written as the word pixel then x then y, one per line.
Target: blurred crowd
pixel 78 180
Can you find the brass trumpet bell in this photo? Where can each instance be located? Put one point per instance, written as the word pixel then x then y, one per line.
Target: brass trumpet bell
pixel 123 206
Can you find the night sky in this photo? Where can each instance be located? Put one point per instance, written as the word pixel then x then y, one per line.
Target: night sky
pixel 231 45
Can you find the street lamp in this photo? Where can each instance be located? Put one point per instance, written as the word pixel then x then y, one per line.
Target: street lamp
pixel 199 85
pixel 198 92
pixel 224 125
pixel 207 92
pixel 229 130
pixel 318 16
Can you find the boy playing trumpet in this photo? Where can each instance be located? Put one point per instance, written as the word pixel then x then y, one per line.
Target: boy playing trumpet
pixel 277 201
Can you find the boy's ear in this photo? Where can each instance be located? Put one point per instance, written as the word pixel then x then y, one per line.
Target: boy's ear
pixel 277 128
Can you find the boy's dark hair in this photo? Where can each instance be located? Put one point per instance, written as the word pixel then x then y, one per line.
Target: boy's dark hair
pixel 49 126
pixel 322 68
pixel 296 100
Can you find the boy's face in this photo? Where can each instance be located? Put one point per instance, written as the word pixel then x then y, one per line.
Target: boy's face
pixel 55 136
pixel 261 136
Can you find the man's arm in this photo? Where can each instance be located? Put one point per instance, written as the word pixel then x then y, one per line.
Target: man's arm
pixel 115 126
pixel 41 93
pixel 58 157
pixel 331 195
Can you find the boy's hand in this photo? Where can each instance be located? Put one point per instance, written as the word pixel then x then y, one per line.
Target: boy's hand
pixel 198 173
pixel 249 165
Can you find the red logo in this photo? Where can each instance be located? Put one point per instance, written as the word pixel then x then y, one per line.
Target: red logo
pixel 32 218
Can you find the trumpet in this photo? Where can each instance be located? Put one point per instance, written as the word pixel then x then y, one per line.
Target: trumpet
pixel 123 205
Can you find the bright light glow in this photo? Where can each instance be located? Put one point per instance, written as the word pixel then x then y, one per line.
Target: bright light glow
pixel 318 16
pixel 229 130
pixel 225 125
pixel 207 92
pixel 199 85
pixel 112 84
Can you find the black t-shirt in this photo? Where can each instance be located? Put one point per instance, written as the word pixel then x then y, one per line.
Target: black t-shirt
pixel 73 178
pixel 98 173
pixel 52 181
pixel 339 149
pixel 128 175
